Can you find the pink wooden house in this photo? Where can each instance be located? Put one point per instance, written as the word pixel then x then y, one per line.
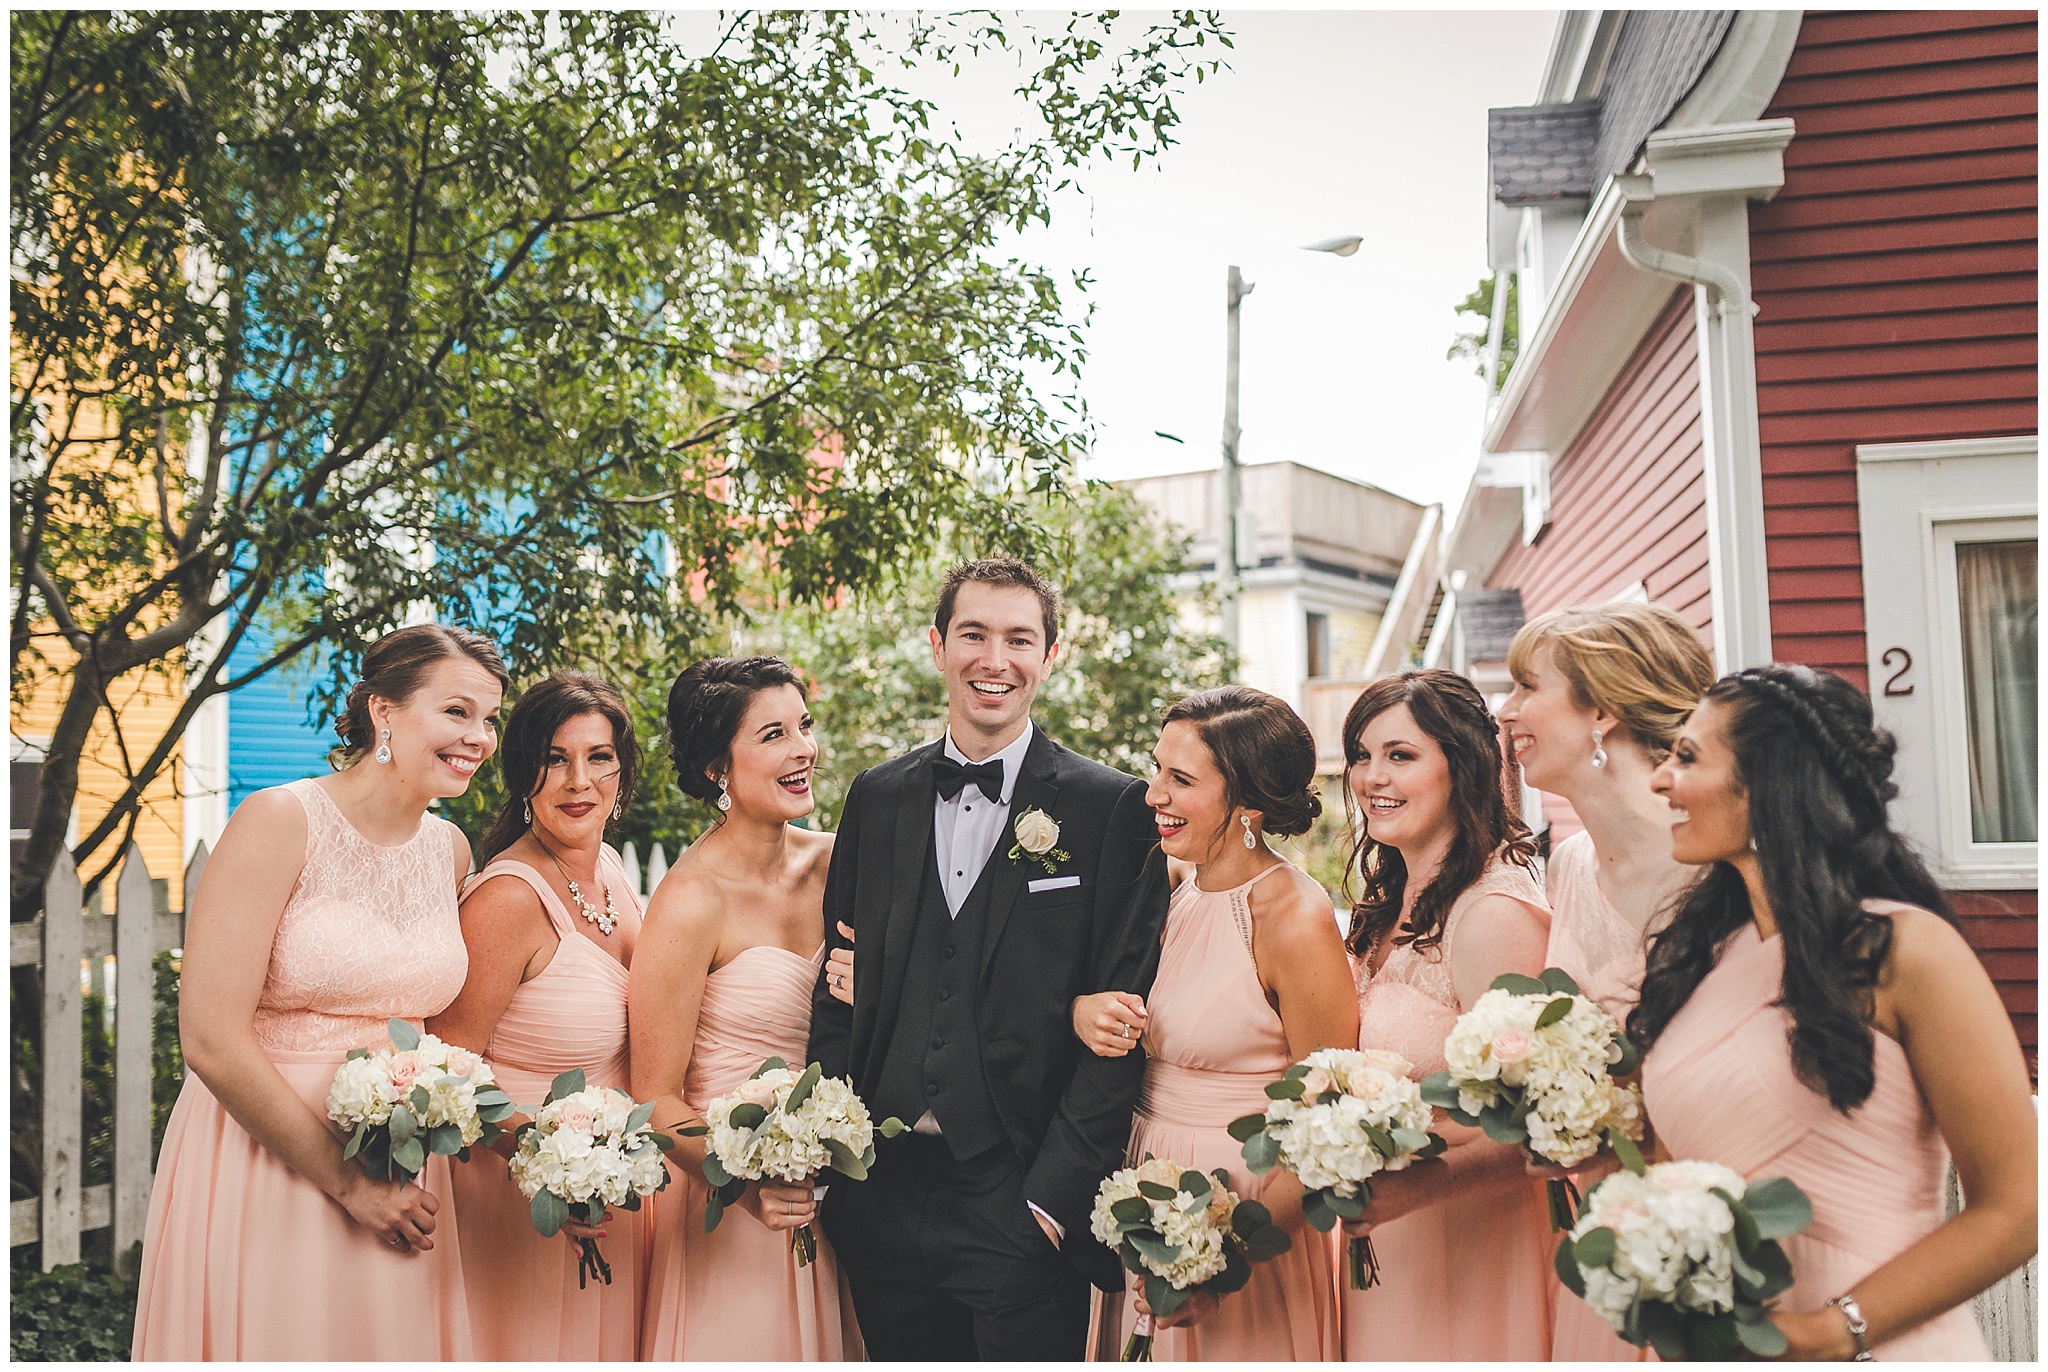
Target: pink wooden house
pixel 1778 346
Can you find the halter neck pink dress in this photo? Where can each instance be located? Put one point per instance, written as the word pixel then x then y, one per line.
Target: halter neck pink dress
pixel 1468 1279
pixel 736 1294
pixel 524 1303
pixel 242 1258
pixel 1603 950
pixel 1720 1085
pixel 1212 1043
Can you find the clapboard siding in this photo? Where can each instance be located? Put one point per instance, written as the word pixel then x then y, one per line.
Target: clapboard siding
pixel 1628 497
pixel 1896 281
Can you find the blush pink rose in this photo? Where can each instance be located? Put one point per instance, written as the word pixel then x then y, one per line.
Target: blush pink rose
pixel 1511 1046
pixel 1314 1082
pixel 405 1069
pixel 577 1116
pixel 758 1092
pixel 462 1062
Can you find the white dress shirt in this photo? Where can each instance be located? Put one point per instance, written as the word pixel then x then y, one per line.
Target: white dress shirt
pixel 967 828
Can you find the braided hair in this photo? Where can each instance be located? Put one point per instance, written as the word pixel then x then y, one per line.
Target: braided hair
pixel 705 709
pixel 1817 772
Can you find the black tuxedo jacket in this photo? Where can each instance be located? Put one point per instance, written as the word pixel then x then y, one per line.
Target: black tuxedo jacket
pixel 1066 1111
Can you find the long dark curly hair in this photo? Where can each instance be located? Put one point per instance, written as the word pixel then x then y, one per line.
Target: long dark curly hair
pixel 1451 711
pixel 1817 772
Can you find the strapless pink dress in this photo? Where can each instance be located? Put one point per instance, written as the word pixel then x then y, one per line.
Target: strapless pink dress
pixel 1720 1086
pixel 1212 1043
pixel 1603 951
pixel 736 1294
pixel 524 1304
pixel 1466 1279
pixel 242 1258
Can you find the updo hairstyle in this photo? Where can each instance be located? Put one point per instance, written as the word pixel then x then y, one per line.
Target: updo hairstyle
pixel 705 708
pixel 1642 664
pixel 1265 753
pixel 1817 773
pixel 529 733
pixel 396 666
pixel 1451 711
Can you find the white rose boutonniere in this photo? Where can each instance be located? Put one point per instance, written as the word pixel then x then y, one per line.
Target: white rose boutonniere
pixel 1036 833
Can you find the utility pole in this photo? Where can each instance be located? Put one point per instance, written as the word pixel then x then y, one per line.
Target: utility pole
pixel 1226 533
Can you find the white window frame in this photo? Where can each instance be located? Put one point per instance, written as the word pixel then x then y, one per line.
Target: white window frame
pixel 1916 501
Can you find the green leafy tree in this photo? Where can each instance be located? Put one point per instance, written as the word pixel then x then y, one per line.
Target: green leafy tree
pixel 1474 343
pixel 542 321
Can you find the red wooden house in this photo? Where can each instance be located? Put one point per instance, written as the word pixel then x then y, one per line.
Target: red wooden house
pixel 1777 291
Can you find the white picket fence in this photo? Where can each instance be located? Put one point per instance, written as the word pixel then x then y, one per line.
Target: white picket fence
pixel 657 868
pixel 65 940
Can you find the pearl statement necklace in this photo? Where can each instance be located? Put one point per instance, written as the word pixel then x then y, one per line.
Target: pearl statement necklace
pixel 606 919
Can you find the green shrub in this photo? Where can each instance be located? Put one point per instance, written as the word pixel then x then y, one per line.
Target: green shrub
pixel 75 1313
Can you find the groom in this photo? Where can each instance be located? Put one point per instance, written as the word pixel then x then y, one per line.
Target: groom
pixel 989 878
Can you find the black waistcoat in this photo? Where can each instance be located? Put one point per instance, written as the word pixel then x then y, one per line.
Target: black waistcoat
pixel 933 1061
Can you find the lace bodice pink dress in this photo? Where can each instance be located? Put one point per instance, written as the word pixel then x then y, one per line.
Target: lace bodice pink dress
pixel 524 1301
pixel 736 1294
pixel 1603 950
pixel 1468 1279
pixel 1720 1085
pixel 242 1258
pixel 1212 1043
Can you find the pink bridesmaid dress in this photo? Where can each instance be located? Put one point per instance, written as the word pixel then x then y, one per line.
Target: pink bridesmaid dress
pixel 1468 1279
pixel 242 1258
pixel 524 1303
pixel 1212 1042
pixel 736 1294
pixel 1720 1086
pixel 1604 952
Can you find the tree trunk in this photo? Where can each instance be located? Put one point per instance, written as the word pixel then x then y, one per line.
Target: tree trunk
pixel 58 790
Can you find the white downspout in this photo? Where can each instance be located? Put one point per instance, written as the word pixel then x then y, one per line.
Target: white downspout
pixel 1738 570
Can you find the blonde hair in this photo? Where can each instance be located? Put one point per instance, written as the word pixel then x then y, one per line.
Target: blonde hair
pixel 1641 663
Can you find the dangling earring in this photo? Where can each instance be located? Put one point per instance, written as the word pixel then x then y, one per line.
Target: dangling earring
pixel 724 797
pixel 1249 841
pixel 383 745
pixel 616 810
pixel 1599 753
pixel 526 810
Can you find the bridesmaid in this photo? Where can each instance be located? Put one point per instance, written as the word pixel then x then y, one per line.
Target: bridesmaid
pixel 722 981
pixel 1252 977
pixel 550 924
pixel 1599 694
pixel 327 909
pixel 1813 1012
pixel 1450 902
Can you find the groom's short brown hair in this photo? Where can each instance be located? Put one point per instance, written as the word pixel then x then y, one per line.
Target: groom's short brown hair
pixel 999 571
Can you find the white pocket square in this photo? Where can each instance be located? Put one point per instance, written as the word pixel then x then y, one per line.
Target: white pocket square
pixel 1052 883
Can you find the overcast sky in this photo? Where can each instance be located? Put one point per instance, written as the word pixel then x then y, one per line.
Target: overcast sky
pixel 1328 123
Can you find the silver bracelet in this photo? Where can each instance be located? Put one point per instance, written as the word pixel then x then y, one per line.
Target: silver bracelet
pixel 1853 1313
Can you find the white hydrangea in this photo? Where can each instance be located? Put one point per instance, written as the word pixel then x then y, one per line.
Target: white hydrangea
pixel 1196 1228
pixel 1561 1071
pixel 788 1146
pixel 581 1150
pixel 1674 1240
pixel 1325 1143
pixel 366 1088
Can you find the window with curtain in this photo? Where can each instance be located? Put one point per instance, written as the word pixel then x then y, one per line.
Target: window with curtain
pixel 1998 597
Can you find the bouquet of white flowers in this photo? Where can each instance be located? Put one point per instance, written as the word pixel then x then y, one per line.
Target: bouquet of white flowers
pixel 587 1149
pixel 1181 1232
pixel 418 1097
pixel 790 1126
pixel 1339 1116
pixel 1682 1257
pixel 1534 1062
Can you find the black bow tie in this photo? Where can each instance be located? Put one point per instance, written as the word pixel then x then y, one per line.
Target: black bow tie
pixel 953 777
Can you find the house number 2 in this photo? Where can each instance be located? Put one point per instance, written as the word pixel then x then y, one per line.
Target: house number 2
pixel 1891 684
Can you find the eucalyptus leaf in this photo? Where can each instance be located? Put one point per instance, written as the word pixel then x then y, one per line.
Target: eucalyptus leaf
pixel 411 1155
pixel 1514 983
pixel 1265 1244
pixel 1157 1190
pixel 845 1161
pixel 445 1139
pixel 1568 1268
pixel 801 1092
pixel 1555 1011
pixel 1315 1208
pixel 1196 1185
pixel 420 1100
pixel 1778 1206
pixel 402 1034
pixel 1754 1328
pixel 1665 1330
pixel 1244 1126
pixel 1411 1140
pixel 1346 1207
pixel 1595 1247
pixel 1558 980
pixel 1261 1154
pixel 549 1213
pixel 714 1170
pixel 642 1113
pixel 771 1065
pixel 1131 1210
pixel 402 1125
pixel 1382 1142
pixel 1626 1152
pixel 1288 1088
pixel 747 1115
pixel 1155 1249
pixel 566 1085
pixel 1163 1296
pixel 1712 1338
